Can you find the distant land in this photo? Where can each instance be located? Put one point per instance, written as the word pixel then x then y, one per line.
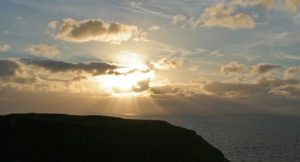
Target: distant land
pixel 69 138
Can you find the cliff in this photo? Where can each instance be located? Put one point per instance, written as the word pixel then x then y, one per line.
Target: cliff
pixel 64 138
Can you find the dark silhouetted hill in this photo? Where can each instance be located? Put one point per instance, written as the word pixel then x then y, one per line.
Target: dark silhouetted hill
pixel 66 138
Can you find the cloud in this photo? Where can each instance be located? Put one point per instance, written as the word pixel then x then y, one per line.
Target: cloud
pixel 275 83
pixel 14 101
pixel 96 30
pixel 53 24
pixel 289 88
pixel 232 67
pixel 267 95
pixel 49 75
pixel 220 15
pixel 9 68
pixel 292 91
pixel 265 3
pixel 228 14
pixel 178 19
pixel 233 89
pixel 166 89
pixel 291 72
pixel 43 85
pixel 154 28
pixel 93 68
pixel 4 47
pixel 264 68
pixel 185 21
pixel 43 50
pixel 168 63
pixel 262 88
pixel 290 5
pixel 142 86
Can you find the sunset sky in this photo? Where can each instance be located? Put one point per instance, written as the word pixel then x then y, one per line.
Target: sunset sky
pixel 150 57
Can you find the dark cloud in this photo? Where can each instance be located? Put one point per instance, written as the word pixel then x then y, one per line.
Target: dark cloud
pixel 142 86
pixel 96 30
pixel 273 82
pixel 131 71
pixel 93 68
pixel 264 68
pixel 9 68
pixel 167 89
pixel 288 87
pixel 234 89
pixel 25 80
pixel 160 103
pixel 291 72
pixel 58 75
pixel 232 67
pixel 291 91
pixel 42 86
pixel 263 87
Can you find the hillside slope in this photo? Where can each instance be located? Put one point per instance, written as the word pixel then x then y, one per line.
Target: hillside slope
pixel 55 137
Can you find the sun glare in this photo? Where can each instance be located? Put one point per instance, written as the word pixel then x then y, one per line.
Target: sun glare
pixel 131 80
pixel 133 61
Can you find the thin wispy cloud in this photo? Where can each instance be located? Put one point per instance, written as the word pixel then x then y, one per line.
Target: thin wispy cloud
pixel 43 50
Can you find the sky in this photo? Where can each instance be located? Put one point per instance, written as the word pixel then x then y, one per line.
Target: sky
pixel 150 57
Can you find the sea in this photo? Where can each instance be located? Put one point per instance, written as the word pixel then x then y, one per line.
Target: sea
pixel 248 138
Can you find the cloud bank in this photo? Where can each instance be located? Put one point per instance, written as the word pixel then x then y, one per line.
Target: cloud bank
pixel 66 82
pixel 93 68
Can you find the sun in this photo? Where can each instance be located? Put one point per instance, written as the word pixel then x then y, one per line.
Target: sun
pixel 133 79
pixel 127 84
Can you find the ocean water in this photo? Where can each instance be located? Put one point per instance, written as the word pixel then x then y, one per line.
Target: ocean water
pixel 249 138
